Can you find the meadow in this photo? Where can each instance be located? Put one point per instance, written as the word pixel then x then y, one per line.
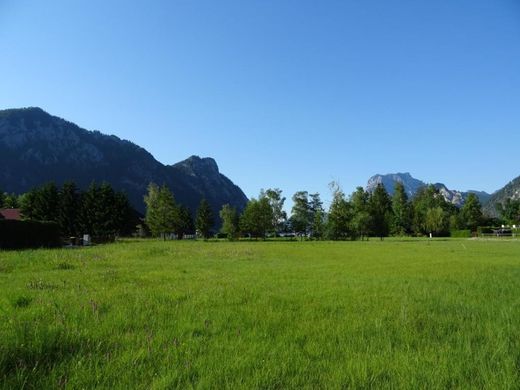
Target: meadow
pixel 269 315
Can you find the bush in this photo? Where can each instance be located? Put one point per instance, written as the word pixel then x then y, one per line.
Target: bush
pixel 29 234
pixel 460 233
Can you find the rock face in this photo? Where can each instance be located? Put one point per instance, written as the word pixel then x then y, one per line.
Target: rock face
pixel 412 185
pixel 510 191
pixel 37 148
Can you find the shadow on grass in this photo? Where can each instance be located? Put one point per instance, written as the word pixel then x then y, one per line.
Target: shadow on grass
pixel 36 353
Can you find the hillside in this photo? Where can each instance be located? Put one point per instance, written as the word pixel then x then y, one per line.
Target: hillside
pixel 510 191
pixel 38 148
pixel 412 185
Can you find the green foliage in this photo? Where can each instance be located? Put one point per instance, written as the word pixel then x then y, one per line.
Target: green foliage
pixel 162 214
pixel 435 221
pixel 276 201
pixel 340 215
pixel 11 201
pixel 230 221
pixel 257 217
pixel 316 216
pixel 426 199
pixel 471 212
pixel 361 220
pixel 103 212
pixel 149 314
pixel 68 210
pixel 204 219
pixel 185 222
pixel 401 212
pixel 380 208
pixel 510 211
pixel 28 234
pixel 300 213
pixel 41 203
pixel 460 233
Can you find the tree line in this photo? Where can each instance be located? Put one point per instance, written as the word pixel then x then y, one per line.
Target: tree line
pixel 361 215
pixel 99 211
pixel 105 213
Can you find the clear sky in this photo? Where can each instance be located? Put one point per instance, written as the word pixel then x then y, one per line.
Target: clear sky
pixel 282 93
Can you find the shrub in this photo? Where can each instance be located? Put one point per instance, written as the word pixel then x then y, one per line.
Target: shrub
pixel 29 234
pixel 460 233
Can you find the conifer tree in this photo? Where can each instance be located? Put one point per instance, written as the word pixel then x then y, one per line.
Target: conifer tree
pixel 162 215
pixel 68 210
pixel 401 211
pixel 380 208
pixel 204 219
pixel 340 215
pixel 361 220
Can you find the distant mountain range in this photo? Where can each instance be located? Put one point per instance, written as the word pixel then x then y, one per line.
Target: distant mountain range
pixel 37 148
pixel 510 191
pixel 412 185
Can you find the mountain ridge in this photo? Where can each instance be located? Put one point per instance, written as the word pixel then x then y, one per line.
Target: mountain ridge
pixel 38 147
pixel 412 185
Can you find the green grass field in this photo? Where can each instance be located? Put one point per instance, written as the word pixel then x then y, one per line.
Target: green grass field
pixel 149 314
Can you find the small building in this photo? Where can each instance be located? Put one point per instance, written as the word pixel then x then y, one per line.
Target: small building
pixel 13 214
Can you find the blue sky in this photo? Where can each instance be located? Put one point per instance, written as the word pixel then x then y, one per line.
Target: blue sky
pixel 288 94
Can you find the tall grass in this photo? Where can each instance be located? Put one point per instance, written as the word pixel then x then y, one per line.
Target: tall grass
pixel 262 315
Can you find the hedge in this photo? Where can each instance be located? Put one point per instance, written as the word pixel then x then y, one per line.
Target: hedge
pixel 460 233
pixel 29 234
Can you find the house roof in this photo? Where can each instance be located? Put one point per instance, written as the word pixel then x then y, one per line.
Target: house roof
pixel 11 214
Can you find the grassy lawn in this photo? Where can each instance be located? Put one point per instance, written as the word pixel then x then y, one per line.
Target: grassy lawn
pixel 153 314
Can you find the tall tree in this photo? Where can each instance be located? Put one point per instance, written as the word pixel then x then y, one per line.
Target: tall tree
pixel 300 213
pixel 276 201
pixel 68 210
pixel 340 215
pixel 317 216
pixel 186 225
pixel 428 198
pixel 380 209
pixel 204 219
pixel 256 219
pixel 161 210
pixel 361 219
pixel 471 212
pixel 435 221
pixel 229 217
pixel 401 211
pixel 41 203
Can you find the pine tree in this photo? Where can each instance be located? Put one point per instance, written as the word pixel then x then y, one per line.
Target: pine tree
pixel 41 203
pixel 186 225
pixel 401 211
pixel 204 219
pixel 471 212
pixel 340 215
pixel 68 210
pixel 380 208
pixel 162 214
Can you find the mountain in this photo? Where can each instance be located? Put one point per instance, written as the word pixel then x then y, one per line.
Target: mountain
pixel 510 191
pixel 37 148
pixel 412 185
